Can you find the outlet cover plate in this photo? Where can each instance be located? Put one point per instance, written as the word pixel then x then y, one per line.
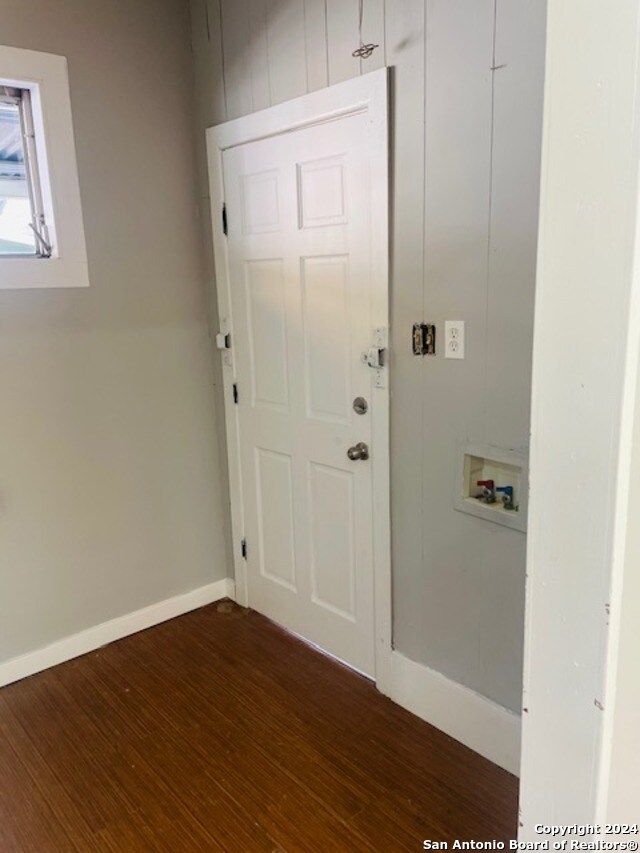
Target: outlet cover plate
pixel 454 338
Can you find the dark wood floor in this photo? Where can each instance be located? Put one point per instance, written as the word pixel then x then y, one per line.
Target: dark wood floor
pixel 219 731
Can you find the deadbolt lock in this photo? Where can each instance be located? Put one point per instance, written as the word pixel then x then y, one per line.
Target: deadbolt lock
pixel 360 406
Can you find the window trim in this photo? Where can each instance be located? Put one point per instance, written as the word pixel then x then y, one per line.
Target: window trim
pixel 45 77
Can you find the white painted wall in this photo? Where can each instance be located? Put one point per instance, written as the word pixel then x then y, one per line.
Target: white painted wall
pixel 465 161
pixel 580 727
pixel 110 488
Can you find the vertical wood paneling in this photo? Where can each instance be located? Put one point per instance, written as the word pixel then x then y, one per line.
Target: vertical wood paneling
pixel 315 28
pixel 373 33
pixel 469 569
pixel 214 67
pixel 206 40
pixel 287 53
pixel 515 179
pixel 259 55
pixel 404 39
pixel 342 39
pixel 236 34
pixel 517 131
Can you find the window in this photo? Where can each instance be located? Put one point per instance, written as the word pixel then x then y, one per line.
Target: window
pixel 41 229
pixel 23 226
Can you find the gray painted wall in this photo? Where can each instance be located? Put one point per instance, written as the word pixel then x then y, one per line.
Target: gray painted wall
pixel 467 112
pixel 109 475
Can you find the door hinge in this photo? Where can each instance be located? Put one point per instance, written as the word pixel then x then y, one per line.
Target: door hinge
pixel 243 549
pixel 225 224
pixel 423 338
pixel 235 392
pixel 223 341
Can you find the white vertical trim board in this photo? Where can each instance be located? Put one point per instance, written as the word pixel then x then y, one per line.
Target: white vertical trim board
pixel 582 412
pixel 472 719
pixel 115 629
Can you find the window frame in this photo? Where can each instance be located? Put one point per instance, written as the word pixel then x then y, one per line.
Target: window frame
pixel 21 99
pixel 45 77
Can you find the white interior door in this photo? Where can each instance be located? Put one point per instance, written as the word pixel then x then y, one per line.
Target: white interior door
pixel 300 254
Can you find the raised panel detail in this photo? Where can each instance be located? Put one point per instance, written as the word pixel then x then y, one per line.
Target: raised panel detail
pixel 274 495
pixel 267 332
pixel 332 539
pixel 326 336
pixel 322 198
pixel 260 202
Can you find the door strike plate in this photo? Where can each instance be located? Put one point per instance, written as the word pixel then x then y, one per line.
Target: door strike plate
pixel 424 339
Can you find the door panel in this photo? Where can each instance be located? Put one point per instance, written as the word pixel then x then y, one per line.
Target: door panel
pixel 260 207
pixel 266 322
pixel 274 500
pixel 333 521
pixel 299 248
pixel 325 298
pixel 322 193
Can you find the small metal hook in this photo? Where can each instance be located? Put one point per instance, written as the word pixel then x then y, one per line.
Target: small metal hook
pixel 364 51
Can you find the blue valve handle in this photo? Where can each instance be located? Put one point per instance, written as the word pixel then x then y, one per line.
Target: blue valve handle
pixel 508 490
pixel 507 500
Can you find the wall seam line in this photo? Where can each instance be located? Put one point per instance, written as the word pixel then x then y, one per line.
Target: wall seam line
pixel 222 62
pixel 489 224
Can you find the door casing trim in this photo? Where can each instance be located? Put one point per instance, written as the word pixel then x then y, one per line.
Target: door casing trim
pixel 368 93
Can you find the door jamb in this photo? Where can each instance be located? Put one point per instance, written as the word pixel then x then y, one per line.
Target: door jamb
pixel 368 93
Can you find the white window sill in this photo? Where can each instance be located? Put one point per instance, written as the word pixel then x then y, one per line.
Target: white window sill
pixel 27 273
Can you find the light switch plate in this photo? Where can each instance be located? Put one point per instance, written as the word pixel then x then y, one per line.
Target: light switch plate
pixel 454 338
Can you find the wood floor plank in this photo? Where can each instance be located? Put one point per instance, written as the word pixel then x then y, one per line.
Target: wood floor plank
pixel 220 731
pixel 30 823
pixel 245 726
pixel 346 713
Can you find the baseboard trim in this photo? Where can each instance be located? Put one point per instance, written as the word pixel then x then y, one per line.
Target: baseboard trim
pixel 472 719
pixel 115 629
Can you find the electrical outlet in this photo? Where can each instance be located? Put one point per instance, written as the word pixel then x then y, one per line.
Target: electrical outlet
pixel 454 338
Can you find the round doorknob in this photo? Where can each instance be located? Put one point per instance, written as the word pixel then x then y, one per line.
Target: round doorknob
pixel 358 451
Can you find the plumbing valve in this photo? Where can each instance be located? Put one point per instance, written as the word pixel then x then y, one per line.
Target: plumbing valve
pixel 488 494
pixel 507 496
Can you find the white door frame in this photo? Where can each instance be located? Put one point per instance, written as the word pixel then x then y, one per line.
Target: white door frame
pixel 369 94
